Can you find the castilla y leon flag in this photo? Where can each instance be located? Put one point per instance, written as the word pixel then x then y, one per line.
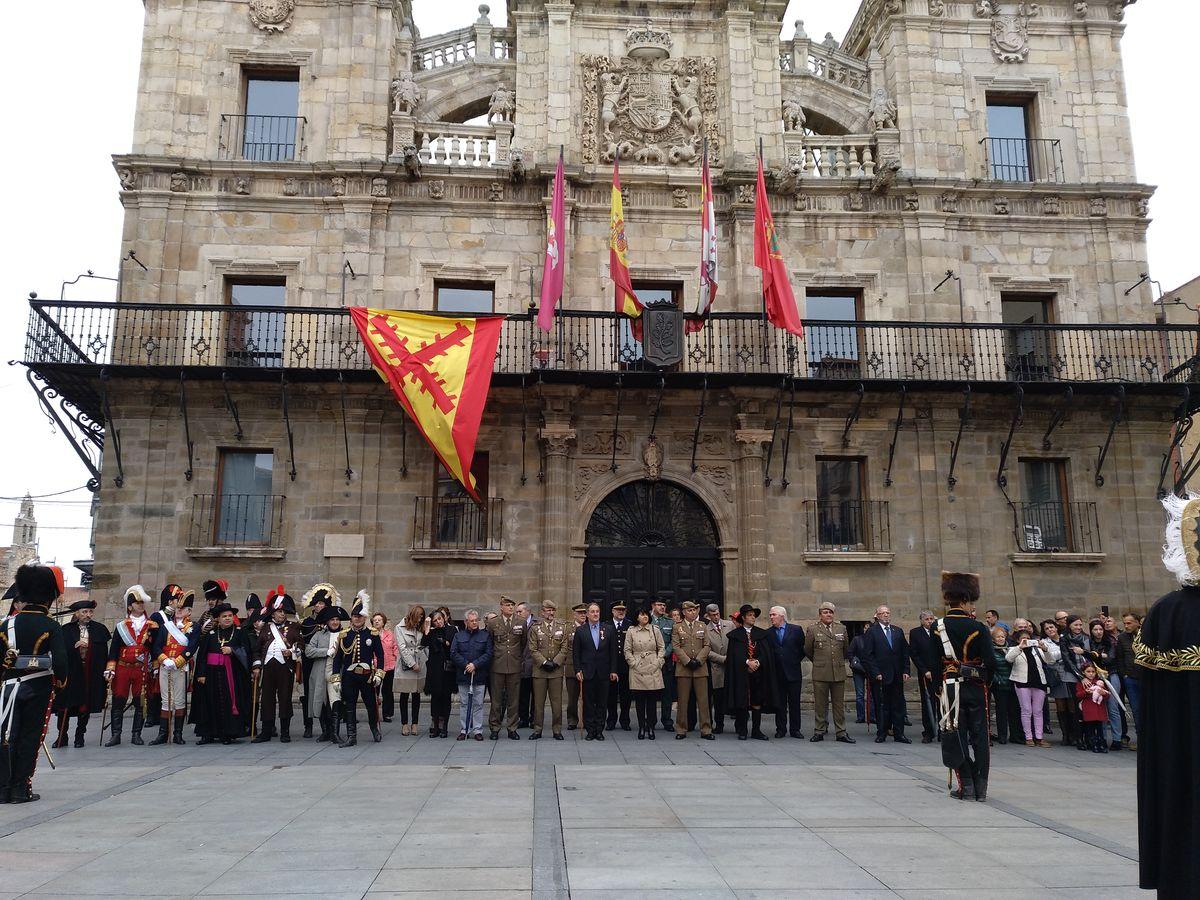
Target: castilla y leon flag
pixel 708 249
pixel 439 368
pixel 777 289
pixel 552 271
pixel 626 300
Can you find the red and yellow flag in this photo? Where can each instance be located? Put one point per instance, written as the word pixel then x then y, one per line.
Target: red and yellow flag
pixel 626 300
pixel 777 289
pixel 439 368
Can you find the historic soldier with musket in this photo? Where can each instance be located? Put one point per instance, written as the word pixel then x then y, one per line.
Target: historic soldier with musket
pixel 87 644
pixel 358 662
pixel 172 646
pixel 33 662
pixel 750 673
pixel 128 667
pixel 967 664
pixel 550 648
pixel 277 659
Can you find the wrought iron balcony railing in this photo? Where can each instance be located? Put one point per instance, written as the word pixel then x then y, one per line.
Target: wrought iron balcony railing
pixel 1024 159
pixel 1056 527
pixel 236 520
pixel 458 523
pixel 146 338
pixel 848 525
pixel 262 138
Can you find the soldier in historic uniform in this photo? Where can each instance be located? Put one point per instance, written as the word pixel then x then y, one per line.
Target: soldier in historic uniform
pixel 358 662
pixel 87 652
pixel 690 640
pixel 171 649
pixel 827 644
pixel 318 598
pixel 549 646
pixel 168 599
pixel 277 659
pixel 252 625
pixel 619 698
pixel 128 666
pixel 323 688
pixel 579 612
pixel 33 664
pixel 509 635
pixel 216 591
pixel 967 664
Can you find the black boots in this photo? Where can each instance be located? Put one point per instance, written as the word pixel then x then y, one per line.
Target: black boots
pixel 351 739
pixel 981 784
pixel 118 723
pixel 966 788
pixel 376 733
pixel 177 737
pixel 138 721
pixel 326 728
pixel 81 725
pixel 265 735
pixel 162 732
pixel 285 731
pixel 308 723
pixel 64 724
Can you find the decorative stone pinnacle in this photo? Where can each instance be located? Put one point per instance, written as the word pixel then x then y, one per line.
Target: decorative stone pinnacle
pixel 484 9
pixel 799 35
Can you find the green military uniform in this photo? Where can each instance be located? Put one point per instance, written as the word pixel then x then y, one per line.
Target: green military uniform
pixel 828 646
pixel 690 641
pixel 550 647
pixel 509 636
pixel 569 671
pixel 665 624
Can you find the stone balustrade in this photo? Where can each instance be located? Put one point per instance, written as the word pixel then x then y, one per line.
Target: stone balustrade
pixel 462 46
pixel 454 144
pixel 833 156
pixel 804 58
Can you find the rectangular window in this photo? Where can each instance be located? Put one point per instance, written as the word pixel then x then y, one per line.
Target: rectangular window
pixel 840 515
pixel 1045 511
pixel 254 337
pixel 271 121
pixel 1029 352
pixel 245 511
pixel 458 521
pixel 833 352
pixel 473 297
pixel 1009 123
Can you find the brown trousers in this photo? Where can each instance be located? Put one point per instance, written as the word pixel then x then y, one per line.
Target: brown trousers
pixel 541 688
pixel 823 693
pixel 506 691
pixel 684 688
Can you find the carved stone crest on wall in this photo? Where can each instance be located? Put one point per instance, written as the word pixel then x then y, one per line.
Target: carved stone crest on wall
pixel 1000 206
pixel 949 202
pixel 679 198
pixel 291 187
pixel 1098 206
pixel 272 15
pixel 379 187
pixel 180 182
pixel 1052 205
pixel 652 459
pixel 912 203
pixel 648 107
pixel 241 185
pixel 337 185
pixel 1010 30
pixel 437 189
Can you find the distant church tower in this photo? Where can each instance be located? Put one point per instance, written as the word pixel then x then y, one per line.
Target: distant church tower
pixel 24 545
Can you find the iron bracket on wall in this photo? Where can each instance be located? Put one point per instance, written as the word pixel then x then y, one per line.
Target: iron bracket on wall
pixel 230 404
pixel 287 423
pixel 1062 412
pixel 662 386
pixel 1117 416
pixel 110 428
pixel 612 466
pixel 787 438
pixel 887 481
pixel 1183 424
pixel 345 427
pixel 964 419
pixel 91 430
pixel 855 411
pixel 187 427
pixel 1018 417
pixel 404 446
pixel 774 431
pixel 699 421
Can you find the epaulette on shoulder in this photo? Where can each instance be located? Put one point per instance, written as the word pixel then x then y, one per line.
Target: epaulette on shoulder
pixel 374 631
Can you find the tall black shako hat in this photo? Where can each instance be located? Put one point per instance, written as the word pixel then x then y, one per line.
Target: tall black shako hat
pixel 38 585
pixel 216 589
pixel 278 598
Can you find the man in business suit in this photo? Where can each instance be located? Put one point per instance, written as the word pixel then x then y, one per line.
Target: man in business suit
pixel 886 659
pixel 718 646
pixel 921 650
pixel 593 650
pixel 787 642
pixel 619 698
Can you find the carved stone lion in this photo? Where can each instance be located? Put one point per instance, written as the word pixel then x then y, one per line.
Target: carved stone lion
pixel 412 163
pixel 406 93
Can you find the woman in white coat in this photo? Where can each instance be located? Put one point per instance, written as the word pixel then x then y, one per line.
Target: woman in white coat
pixel 1030 658
pixel 410 670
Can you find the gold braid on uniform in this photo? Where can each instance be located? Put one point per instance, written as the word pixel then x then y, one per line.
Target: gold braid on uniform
pixel 1185 660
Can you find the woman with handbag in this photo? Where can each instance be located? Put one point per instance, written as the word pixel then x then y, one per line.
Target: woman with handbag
pixel 440 676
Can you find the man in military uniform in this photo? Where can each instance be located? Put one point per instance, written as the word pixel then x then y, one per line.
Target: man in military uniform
pixel 358 660
pixel 967 666
pixel 215 592
pixel 619 698
pixel 580 613
pixel 87 652
pixel 277 660
pixel 690 639
pixel 827 644
pixel 509 635
pixel 666 625
pixel 171 649
pixel 128 665
pixel 318 598
pixel 550 647
pixel 525 703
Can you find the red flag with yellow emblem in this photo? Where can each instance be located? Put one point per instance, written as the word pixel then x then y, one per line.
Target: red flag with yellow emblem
pixel 439 368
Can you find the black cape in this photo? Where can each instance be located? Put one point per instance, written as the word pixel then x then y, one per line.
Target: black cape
pixel 1167 653
pixel 744 690
pixel 86 686
pixel 212 702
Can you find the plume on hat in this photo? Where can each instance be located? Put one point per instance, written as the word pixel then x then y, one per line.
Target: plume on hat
pixel 136 592
pixel 1180 543
pixel 331 594
pixel 362 603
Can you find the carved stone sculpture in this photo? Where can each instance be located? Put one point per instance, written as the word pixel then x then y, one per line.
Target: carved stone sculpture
pixel 337 185
pixel 412 163
pixel 912 203
pixel 679 198
pixel 1098 206
pixel 437 189
pixel 937 7
pixel 406 94
pixel 1000 206
pixel 1081 9
pixel 882 111
pixel 128 179
pixel 180 182
pixel 985 9
pixel 1052 205
pixel 652 460
pixel 787 179
pixel 885 176
pixel 291 187
pixel 501 106
pixel 856 202
pixel 1010 31
pixel 272 15
pixel 241 185
pixel 893 7
pixel 496 191
pixel 1141 207
pixel 647 106
pixel 745 193
pixel 379 187
pixel 949 202
pixel 793 115
pixel 517 170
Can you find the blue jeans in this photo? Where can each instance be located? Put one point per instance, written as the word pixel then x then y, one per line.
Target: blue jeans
pixel 1114 709
pixel 860 697
pixel 473 725
pixel 1133 693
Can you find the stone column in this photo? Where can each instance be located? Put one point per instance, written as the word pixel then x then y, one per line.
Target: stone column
pixel 741 137
pixel 404 134
pixel 483 34
pixel 752 513
pixel 504 136
pixel 560 115
pixel 799 49
pixel 557 438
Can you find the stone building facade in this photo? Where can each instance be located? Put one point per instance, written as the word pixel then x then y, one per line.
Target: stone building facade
pixel 956 199
pixel 24 546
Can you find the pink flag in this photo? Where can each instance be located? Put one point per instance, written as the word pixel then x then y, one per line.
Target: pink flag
pixel 552 271
pixel 708 250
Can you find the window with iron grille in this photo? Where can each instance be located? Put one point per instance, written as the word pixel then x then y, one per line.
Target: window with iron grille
pixel 1029 352
pixel 272 114
pixel 839 514
pixel 255 337
pixel 833 351
pixel 1045 513
pixel 458 521
pixel 629 348
pixel 245 505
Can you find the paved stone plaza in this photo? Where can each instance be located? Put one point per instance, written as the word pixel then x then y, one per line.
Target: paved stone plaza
pixel 416 817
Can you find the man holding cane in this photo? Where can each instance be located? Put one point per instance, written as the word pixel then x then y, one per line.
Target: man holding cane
pixel 471 654
pixel 171 650
pixel 276 656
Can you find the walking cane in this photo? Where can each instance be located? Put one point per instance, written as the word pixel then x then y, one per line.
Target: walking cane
pixel 470 704
pixel 170 712
pixel 45 727
pixel 254 702
pixel 104 723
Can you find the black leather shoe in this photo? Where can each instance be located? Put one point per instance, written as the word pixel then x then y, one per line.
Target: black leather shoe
pixel 495 736
pixel 600 736
pixel 707 737
pixel 798 735
pixel 901 740
pixel 612 727
pixel 557 736
pixel 625 726
pixel 681 737
pixel 589 737
pixel 204 740
pixel 816 738
pixel 880 738
pixel 650 734
pixel 741 737
pixel 536 736
pixel 513 736
pixel 927 739
pixel 758 736
pixel 846 739
pixel 779 732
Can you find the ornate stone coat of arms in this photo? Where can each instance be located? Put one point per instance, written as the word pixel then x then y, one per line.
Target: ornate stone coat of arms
pixel 648 107
pixel 272 15
pixel 1010 30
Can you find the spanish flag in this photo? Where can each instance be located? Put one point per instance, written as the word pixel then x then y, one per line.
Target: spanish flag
pixel 626 300
pixel 439 369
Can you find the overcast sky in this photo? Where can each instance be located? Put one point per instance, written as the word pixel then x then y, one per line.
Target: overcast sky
pixel 70 76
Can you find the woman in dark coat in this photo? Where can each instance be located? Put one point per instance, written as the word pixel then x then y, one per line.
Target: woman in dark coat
pixel 750 673
pixel 440 681
pixel 87 644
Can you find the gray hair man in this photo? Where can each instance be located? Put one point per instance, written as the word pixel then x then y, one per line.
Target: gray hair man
pixel 827 644
pixel 718 647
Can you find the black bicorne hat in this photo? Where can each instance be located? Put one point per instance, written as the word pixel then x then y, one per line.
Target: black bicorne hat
pixel 216 590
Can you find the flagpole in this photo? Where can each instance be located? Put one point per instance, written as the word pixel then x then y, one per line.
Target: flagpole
pixel 762 275
pixel 562 249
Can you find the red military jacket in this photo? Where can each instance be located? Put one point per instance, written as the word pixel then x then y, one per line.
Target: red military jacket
pixel 129 643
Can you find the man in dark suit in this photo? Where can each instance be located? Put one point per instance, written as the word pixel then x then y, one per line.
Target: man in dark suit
pixel 921 652
pixel 619 698
pixel 593 652
pixel 787 642
pixel 886 659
